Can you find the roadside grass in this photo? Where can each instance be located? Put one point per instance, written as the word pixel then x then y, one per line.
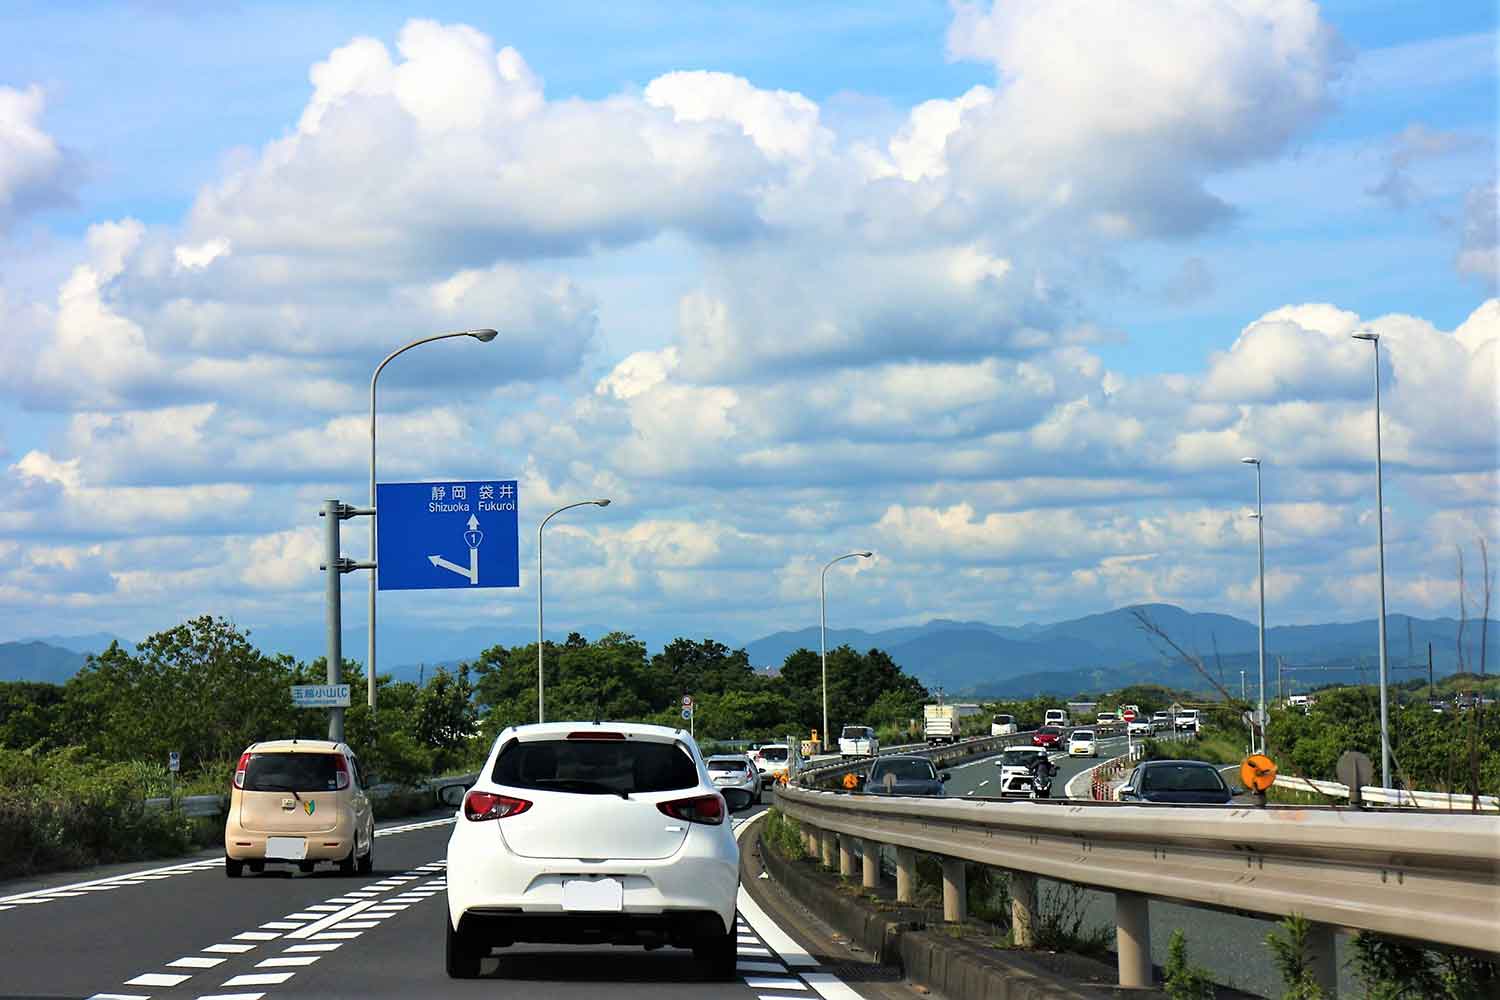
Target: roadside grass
pixel 63 809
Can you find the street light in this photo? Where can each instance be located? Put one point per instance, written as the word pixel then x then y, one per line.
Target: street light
pixel 1385 724
pixel 484 337
pixel 823 628
pixel 540 682
pixel 1260 535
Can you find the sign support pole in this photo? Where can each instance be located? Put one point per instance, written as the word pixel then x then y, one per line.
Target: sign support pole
pixel 336 566
pixel 334 613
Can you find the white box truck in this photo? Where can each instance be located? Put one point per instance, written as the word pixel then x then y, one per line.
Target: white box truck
pixel 940 724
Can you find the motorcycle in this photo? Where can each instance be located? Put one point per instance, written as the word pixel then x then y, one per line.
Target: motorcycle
pixel 1041 786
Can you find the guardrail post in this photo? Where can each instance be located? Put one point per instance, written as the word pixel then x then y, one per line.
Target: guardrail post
pixel 906 874
pixel 1321 956
pixel 809 841
pixel 1023 909
pixel 1133 940
pixel 846 855
pixel 955 891
pixel 871 866
pixel 828 847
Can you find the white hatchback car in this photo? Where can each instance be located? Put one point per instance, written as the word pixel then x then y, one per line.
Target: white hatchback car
pixel 1082 744
pixel 594 833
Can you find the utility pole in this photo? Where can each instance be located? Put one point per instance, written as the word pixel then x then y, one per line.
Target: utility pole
pixel 1431 691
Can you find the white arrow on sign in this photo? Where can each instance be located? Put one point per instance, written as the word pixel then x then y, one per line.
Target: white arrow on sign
pixel 472 538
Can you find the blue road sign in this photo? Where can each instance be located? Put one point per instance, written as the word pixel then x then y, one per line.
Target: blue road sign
pixel 433 536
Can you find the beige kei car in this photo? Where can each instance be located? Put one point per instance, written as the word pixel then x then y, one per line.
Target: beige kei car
pixel 298 802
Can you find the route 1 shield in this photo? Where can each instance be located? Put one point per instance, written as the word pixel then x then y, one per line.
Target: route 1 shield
pixel 445 535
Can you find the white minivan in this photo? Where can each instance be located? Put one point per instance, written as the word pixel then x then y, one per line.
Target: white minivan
pixel 858 741
pixel 593 833
pixel 1003 725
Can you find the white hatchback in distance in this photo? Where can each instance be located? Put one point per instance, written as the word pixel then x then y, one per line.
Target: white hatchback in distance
pixel 593 833
pixel 1081 744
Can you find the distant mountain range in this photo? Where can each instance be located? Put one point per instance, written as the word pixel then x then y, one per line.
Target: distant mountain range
pixel 1110 649
pixel 1094 652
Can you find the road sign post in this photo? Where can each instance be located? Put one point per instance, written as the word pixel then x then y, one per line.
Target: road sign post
pixel 335 565
pixel 1129 716
pixel 174 764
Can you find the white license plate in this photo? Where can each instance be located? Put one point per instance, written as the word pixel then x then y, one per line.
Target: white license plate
pixel 286 848
pixel 593 894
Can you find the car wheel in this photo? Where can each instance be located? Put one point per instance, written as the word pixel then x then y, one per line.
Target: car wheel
pixel 347 866
pixel 720 953
pixel 367 863
pixel 460 956
pixel 233 868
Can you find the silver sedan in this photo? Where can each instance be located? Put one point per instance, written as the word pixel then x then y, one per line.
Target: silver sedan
pixel 735 770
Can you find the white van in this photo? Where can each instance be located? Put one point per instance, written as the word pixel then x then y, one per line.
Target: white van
pixel 858 741
pixel 1055 717
pixel 1003 725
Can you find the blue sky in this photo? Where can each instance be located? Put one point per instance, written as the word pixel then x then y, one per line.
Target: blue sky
pixel 986 289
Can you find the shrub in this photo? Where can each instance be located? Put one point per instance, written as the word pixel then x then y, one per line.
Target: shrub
pixel 784 835
pixel 1290 953
pixel 1185 981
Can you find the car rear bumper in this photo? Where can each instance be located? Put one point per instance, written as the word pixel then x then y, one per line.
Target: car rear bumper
pixel 486 878
pixel 331 846
pixel 501 926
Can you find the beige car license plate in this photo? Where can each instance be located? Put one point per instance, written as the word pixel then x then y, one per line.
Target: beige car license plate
pixel 286 848
pixel 596 894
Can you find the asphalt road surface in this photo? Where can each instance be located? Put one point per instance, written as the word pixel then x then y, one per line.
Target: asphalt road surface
pixel 182 930
pixel 981 778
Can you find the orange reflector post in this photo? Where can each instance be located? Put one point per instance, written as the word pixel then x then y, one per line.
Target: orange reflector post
pixel 1258 772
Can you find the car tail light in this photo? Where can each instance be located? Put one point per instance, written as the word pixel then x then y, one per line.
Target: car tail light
pixel 491 805
pixel 591 734
pixel 239 770
pixel 340 771
pixel 699 809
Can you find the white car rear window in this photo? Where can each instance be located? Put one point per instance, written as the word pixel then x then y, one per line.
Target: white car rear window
pixel 595 767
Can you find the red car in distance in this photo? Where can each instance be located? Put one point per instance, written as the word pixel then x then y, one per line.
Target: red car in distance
pixel 1047 736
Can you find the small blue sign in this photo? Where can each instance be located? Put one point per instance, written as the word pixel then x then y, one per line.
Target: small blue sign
pixel 436 536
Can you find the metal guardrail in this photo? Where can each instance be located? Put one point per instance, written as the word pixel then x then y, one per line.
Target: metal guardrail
pixel 1375 795
pixel 1427 877
pixel 218 805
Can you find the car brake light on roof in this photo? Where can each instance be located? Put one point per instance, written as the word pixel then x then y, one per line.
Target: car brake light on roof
pixel 589 734
pixel 491 805
pixel 707 809
pixel 239 770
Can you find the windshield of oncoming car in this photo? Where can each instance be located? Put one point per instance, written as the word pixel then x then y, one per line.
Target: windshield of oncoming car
pixel 595 767
pixel 1082 734
pixel 904 770
pixel 291 772
pixel 1181 778
pixel 1050 730
pixel 773 753
pixel 729 764
pixel 1018 757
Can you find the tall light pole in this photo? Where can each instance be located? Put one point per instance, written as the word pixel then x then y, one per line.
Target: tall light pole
pixel 1260 536
pixel 1385 721
pixel 541 712
pixel 484 337
pixel 823 628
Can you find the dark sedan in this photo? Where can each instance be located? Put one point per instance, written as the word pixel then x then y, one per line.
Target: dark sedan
pixel 1190 782
pixel 901 775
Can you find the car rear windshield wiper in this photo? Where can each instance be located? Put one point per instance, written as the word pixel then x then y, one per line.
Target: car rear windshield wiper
pixel 580 785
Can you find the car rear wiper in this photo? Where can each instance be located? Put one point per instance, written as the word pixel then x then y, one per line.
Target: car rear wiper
pixel 580 785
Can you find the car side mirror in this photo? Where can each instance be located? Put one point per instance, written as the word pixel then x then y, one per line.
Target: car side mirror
pixel 944 775
pixel 1126 795
pixel 737 799
pixel 453 794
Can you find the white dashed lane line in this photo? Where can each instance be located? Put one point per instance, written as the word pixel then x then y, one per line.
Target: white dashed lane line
pixel 311 933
